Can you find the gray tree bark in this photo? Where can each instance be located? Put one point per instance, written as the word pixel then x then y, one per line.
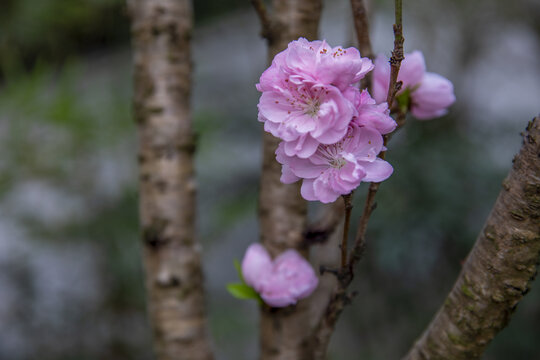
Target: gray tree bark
pixel 282 211
pixel 161 32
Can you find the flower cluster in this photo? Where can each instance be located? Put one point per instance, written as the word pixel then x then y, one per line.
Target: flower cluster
pixel 281 282
pixel 331 131
pixel 428 95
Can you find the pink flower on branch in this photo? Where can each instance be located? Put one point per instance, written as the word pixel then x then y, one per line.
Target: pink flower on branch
pixel 430 94
pixel 331 132
pixel 280 282
pixel 308 94
pixel 305 114
pixel 337 169
pixel 316 61
pixel 371 114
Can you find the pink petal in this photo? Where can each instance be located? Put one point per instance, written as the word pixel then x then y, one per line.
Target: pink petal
pixel 376 171
pixel 297 272
pixel 287 176
pixel 432 98
pixel 304 168
pixel 412 69
pixel 307 190
pixel 381 78
pixel 342 67
pixel 366 143
pixel 256 265
pixel 323 190
pixel 303 147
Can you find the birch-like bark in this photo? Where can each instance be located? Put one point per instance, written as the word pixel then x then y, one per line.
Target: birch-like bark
pixel 282 211
pixel 161 31
pixel 498 271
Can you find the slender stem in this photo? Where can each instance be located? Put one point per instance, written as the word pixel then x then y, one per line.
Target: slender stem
pixel 369 205
pixel 348 207
pixel 359 243
pixel 340 298
pixel 397 55
pixel 361 25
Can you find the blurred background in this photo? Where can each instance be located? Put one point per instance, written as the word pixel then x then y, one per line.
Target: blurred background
pixel 71 283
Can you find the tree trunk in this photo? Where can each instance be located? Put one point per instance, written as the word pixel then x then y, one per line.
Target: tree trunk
pixel 499 269
pixel 282 211
pixel 161 31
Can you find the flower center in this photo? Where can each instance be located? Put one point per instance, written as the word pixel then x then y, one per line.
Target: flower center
pixel 338 163
pixel 312 107
pixel 332 155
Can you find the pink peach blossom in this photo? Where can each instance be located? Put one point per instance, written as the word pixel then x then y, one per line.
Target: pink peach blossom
pixel 374 115
pixel 281 282
pixel 433 97
pixel 430 94
pixel 256 264
pixel 305 113
pixel 337 169
pixel 307 94
pixel 316 61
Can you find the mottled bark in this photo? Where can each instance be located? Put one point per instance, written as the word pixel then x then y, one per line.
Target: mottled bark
pixel 161 31
pixel 282 211
pixel 498 271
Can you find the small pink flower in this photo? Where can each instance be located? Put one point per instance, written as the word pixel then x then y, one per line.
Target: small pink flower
pixel 432 98
pixel 430 93
pixel 304 113
pixel 256 264
pixel 281 282
pixel 372 114
pixel 337 169
pixel 307 94
pixel 316 61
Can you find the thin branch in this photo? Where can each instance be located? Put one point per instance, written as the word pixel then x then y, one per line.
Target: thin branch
pixel 498 271
pixel 369 205
pixel 361 25
pixel 397 55
pixel 359 243
pixel 340 298
pixel 347 200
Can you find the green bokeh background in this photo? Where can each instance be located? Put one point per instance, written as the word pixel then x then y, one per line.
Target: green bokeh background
pixel 71 280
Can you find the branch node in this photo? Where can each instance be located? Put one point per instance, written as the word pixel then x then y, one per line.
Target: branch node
pixel 325 269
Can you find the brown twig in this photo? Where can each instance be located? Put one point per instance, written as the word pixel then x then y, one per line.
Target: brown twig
pixel 340 297
pixel 397 55
pixel 393 88
pixel 359 243
pixel 361 25
pixel 347 200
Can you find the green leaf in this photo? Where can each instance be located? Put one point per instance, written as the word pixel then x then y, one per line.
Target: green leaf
pixel 242 291
pixel 404 100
